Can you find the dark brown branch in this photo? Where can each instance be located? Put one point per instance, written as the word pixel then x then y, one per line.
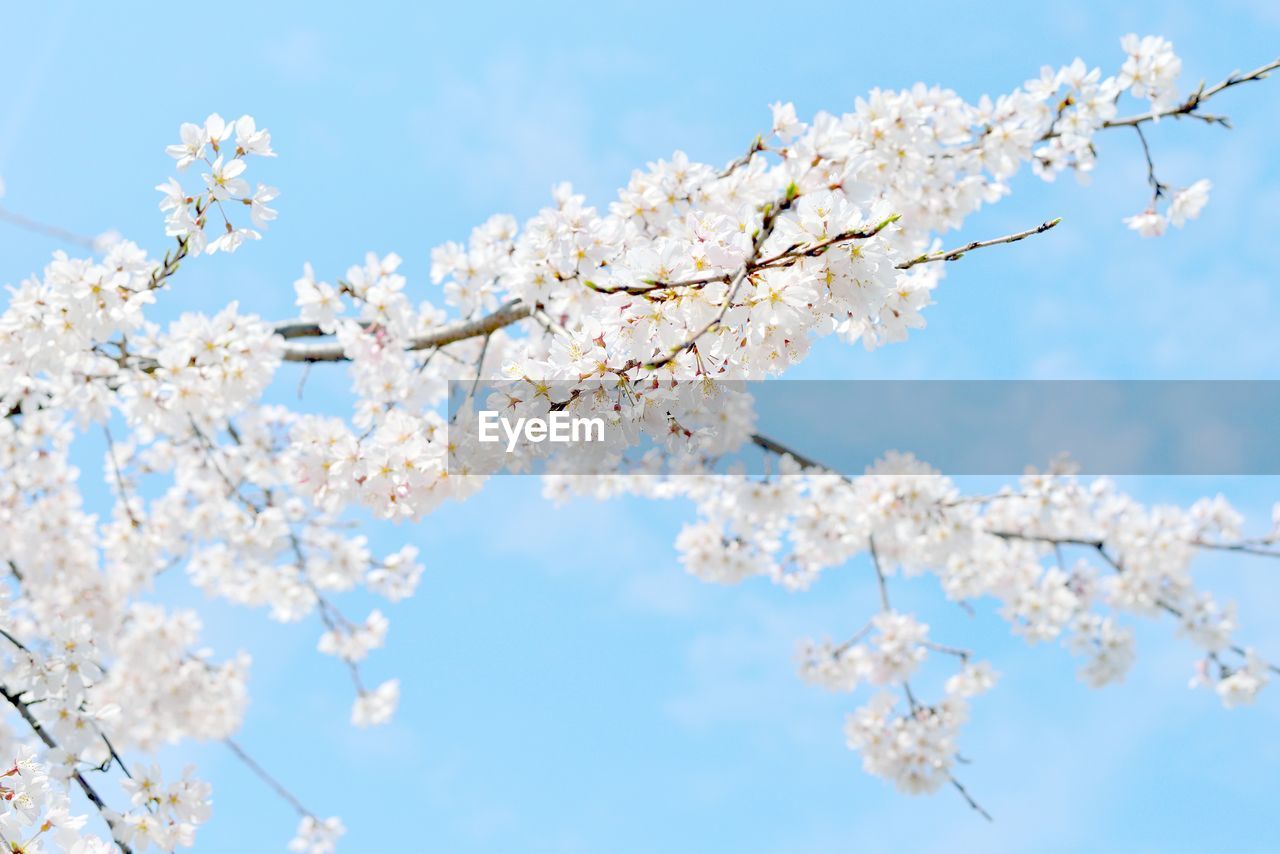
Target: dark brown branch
pixel 775 447
pixel 771 213
pixel 89 792
pixel 1157 188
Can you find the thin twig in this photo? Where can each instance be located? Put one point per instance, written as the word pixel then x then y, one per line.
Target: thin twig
pixel 959 252
pixel 54 231
pixel 782 259
pixel 968 797
pixel 771 213
pixel 962 654
pixel 261 774
pixel 757 145
pixel 115 465
pixel 11 639
pixel 1188 107
pixel 880 579
pixel 1157 188
pixel 775 447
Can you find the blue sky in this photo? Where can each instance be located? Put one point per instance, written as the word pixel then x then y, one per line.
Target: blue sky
pixel 566 687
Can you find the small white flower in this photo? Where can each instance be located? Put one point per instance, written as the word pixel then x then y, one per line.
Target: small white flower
pixel 250 140
pixel 224 181
pixel 1188 203
pixel 317 837
pixel 377 706
pixel 1149 223
pixel 230 241
pixel 258 210
pixel 191 149
pixel 785 124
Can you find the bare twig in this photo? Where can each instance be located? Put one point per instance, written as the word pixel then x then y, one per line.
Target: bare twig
pixel 54 231
pixel 1190 106
pixel 969 798
pixel 959 252
pixel 1157 188
pixel 775 447
pixel 115 465
pixel 880 579
pixel 262 774
pixel 962 654
pixel 11 639
pixel 757 144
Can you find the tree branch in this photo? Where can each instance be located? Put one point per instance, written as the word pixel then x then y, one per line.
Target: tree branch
pixel 261 774
pixel 1193 102
pixel 89 792
pixel 331 351
pixel 959 252
pixel 56 232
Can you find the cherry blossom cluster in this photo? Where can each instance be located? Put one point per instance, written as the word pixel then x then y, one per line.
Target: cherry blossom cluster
pixel 61 693
pixel 1013 548
pixel 1184 205
pixel 826 227
pixel 641 311
pixel 35 812
pixel 95 671
pixel 187 215
pixel 703 275
pixel 316 836
pixel 1150 70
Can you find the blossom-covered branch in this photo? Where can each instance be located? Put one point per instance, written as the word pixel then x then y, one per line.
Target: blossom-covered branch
pixel 693 276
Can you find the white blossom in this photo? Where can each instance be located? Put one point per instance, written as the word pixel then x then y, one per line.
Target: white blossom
pixel 643 310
